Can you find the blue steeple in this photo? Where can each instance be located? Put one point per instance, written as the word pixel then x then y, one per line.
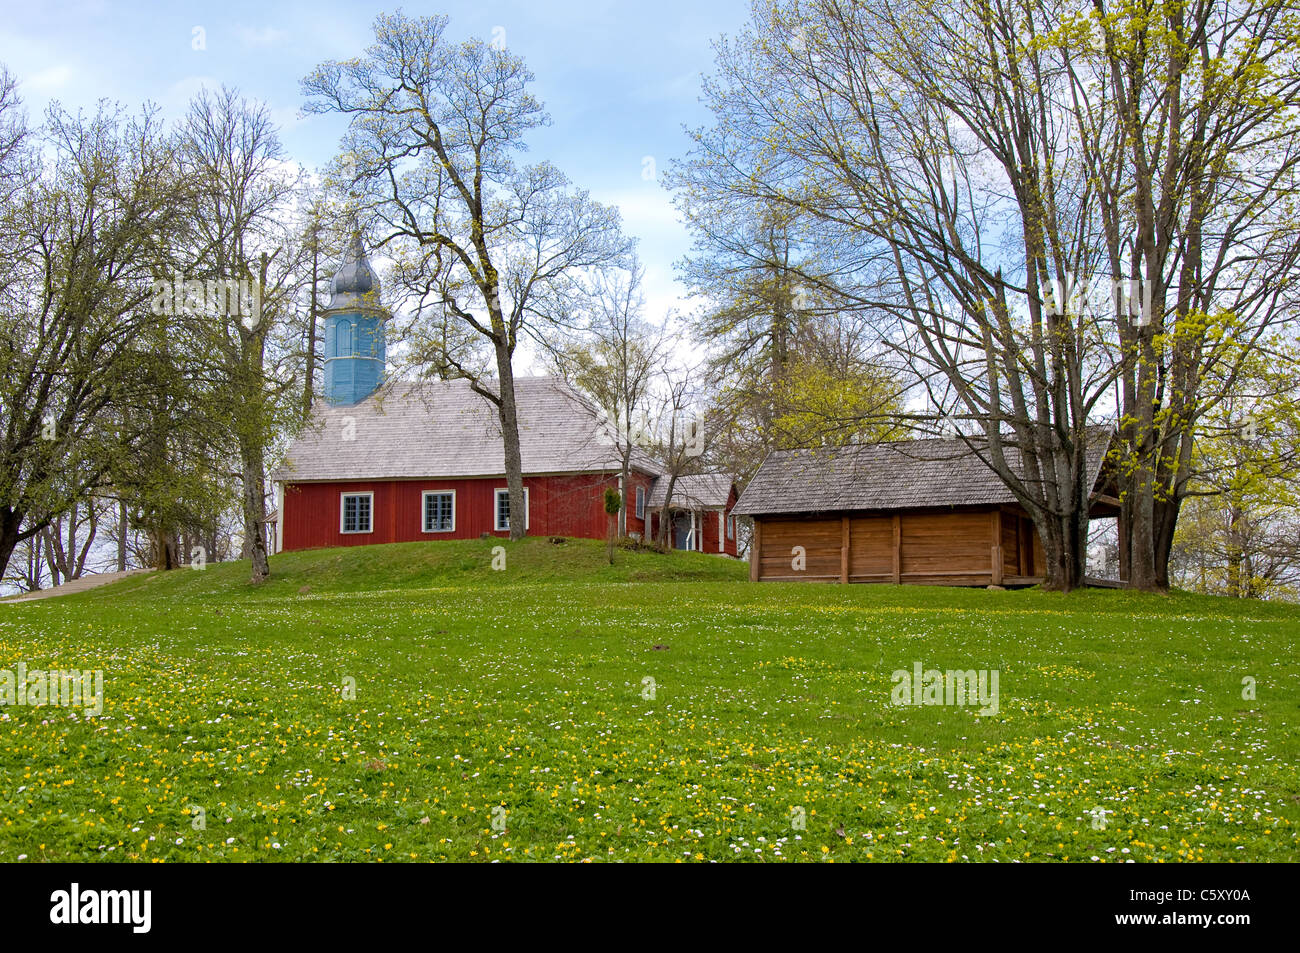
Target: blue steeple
pixel 355 349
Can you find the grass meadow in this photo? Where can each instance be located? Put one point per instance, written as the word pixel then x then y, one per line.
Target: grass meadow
pixel 410 703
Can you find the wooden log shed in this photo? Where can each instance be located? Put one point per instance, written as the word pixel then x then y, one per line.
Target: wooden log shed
pixel 920 512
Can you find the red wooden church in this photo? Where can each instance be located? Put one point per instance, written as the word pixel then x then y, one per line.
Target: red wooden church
pixel 382 462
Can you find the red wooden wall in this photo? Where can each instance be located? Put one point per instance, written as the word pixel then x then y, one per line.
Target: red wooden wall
pixel 635 525
pixel 557 506
pixel 709 537
pixel 710 534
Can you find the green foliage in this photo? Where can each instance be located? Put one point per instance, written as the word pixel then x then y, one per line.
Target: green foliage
pixel 88 203
pixel 1239 529
pixel 822 407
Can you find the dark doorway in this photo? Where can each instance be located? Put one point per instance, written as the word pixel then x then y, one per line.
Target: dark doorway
pixel 681 530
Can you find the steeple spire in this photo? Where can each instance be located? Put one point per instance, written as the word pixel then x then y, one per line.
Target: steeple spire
pixel 355 284
pixel 355 349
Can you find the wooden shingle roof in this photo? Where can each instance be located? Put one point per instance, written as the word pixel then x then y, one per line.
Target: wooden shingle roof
pixel 437 429
pixel 907 474
pixel 697 491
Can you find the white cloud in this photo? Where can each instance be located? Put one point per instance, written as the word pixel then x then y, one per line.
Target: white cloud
pixel 648 211
pixel 253 37
pixel 683 86
pixel 176 98
pixel 51 80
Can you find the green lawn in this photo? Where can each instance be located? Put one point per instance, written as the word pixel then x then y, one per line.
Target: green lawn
pixel 519 699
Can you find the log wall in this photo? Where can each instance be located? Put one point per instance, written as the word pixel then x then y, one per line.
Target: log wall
pixel 975 546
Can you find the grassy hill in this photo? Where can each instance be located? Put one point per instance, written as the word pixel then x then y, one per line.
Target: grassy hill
pixel 663 708
pixel 402 566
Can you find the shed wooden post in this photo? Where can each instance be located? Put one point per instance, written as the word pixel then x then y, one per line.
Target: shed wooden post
pixel 1121 527
pixel 844 549
pixel 995 530
pixel 1024 546
pixel 898 551
pixel 755 550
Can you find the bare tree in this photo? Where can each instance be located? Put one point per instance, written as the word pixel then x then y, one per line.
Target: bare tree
pixel 617 361
pixel 678 441
pixel 323 235
pixel 484 243
pixel 68 540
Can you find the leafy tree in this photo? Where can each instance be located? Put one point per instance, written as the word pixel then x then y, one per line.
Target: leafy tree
pixel 975 160
pixel 88 204
pixel 241 242
pixel 1239 532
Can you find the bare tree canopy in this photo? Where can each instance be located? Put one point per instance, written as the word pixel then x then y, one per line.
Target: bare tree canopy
pixel 488 249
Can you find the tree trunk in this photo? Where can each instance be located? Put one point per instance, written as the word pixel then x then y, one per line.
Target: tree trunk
pixel 1166 523
pixel 509 414
pixel 1138 555
pixel 308 390
pixel 252 444
pixel 1064 552
pixel 164 550
pixel 9 523
pixel 1142 553
pixel 665 514
pixel 53 538
pixel 121 535
pixel 626 491
pixel 32 577
pixel 254 479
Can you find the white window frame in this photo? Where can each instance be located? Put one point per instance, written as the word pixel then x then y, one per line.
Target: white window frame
pixel 424 510
pixel 343 498
pixel 640 502
pixel 722 531
pixel 731 526
pixel 496 509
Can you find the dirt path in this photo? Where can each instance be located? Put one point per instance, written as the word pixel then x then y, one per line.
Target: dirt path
pixel 77 585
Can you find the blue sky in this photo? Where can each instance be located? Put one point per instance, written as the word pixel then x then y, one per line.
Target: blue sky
pixel 618 78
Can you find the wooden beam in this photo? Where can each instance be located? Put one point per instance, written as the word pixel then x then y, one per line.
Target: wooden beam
pixel 844 547
pixel 995 530
pixel 898 551
pixel 1024 544
pixel 1121 528
pixel 755 549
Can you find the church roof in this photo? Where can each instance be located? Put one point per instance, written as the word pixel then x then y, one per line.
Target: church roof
pixel 443 429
